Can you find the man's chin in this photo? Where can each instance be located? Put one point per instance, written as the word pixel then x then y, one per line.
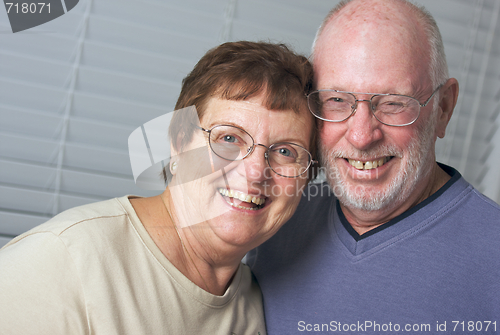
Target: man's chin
pixel 372 203
pixel 364 198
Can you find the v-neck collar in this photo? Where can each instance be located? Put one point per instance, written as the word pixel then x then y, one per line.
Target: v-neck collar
pixel 401 226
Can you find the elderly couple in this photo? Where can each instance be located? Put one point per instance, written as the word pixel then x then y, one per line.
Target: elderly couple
pixel 393 240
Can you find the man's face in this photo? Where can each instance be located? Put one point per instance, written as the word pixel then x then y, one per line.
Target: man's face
pixel 372 166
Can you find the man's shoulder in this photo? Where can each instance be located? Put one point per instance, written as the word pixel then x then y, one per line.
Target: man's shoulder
pixel 309 221
pixel 459 199
pixel 316 196
pixel 314 208
pixel 462 194
pixel 481 209
pixel 464 216
pixel 486 203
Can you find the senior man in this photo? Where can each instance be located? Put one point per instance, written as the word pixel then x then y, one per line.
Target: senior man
pixel 401 243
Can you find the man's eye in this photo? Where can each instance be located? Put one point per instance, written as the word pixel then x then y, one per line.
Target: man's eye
pixel 335 99
pixel 391 105
pixel 394 103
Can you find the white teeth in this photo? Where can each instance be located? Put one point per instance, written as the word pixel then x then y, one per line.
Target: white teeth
pixel 368 165
pixel 242 197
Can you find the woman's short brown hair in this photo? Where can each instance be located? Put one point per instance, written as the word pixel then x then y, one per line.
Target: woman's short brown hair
pixel 241 70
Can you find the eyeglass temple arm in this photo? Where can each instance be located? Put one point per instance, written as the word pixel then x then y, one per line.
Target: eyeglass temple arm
pixel 201 128
pixel 433 93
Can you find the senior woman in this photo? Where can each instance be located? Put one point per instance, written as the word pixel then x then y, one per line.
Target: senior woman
pixel 171 264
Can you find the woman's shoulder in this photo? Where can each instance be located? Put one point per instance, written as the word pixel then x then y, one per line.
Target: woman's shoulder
pixel 112 210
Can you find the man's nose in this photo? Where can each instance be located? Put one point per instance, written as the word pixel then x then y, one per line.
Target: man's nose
pixel 363 128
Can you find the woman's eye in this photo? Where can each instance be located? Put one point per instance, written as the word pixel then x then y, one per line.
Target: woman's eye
pixel 229 138
pixel 226 138
pixel 284 152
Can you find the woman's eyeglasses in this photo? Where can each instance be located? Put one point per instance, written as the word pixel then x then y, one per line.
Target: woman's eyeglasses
pixel 285 159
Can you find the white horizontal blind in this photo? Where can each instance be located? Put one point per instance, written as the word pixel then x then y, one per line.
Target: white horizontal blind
pixel 73 89
pixel 473 48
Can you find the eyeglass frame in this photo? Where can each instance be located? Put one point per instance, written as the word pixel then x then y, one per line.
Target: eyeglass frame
pixel 355 105
pixel 252 148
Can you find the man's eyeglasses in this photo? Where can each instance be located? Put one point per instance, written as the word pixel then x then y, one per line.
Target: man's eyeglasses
pixel 390 109
pixel 233 144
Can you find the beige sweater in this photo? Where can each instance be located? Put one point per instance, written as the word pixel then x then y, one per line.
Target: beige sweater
pixel 95 270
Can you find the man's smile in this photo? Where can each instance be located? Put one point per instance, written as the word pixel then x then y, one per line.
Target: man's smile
pixel 368 165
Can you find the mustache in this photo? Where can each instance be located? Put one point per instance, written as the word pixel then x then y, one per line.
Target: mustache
pixel 379 151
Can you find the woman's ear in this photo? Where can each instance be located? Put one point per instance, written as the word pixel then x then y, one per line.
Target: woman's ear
pixel 447 101
pixel 175 150
pixel 173 167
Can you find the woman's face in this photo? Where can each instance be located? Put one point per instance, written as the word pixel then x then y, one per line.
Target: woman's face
pixel 208 189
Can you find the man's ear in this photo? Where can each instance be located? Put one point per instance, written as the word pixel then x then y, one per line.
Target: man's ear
pixel 447 100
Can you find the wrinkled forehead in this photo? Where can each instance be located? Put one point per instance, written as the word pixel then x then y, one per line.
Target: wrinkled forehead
pixel 252 110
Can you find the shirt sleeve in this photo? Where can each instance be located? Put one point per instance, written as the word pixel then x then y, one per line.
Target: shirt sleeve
pixel 40 290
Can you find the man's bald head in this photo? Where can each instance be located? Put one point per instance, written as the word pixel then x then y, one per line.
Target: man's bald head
pixel 409 23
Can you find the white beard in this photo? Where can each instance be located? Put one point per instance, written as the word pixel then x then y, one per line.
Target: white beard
pixel 415 166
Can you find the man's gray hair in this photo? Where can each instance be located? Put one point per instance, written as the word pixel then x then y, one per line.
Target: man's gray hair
pixel 438 68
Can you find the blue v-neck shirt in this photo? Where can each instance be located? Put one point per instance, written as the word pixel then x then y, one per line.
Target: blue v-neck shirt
pixel 437 263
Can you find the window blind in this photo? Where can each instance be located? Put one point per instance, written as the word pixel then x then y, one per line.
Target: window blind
pixel 72 90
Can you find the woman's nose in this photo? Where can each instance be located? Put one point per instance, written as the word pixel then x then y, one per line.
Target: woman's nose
pixel 255 166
